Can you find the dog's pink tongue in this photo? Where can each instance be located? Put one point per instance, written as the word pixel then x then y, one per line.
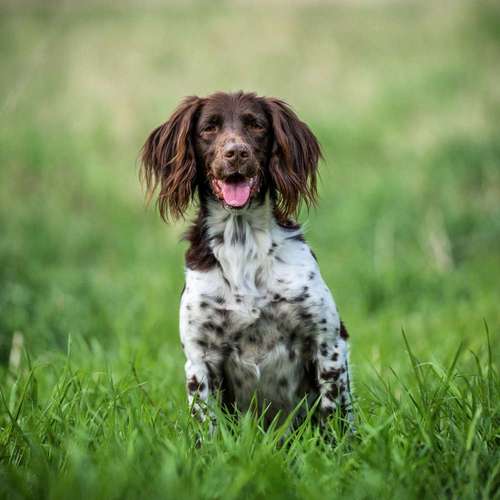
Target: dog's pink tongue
pixel 235 194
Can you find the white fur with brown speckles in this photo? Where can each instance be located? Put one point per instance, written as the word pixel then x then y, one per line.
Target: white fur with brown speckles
pixel 263 321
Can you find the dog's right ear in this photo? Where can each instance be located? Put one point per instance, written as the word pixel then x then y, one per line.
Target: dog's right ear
pixel 168 160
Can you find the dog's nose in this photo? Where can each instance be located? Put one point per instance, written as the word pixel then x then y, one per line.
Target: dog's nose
pixel 236 152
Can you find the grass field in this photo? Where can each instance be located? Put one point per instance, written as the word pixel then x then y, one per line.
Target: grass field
pixel 405 99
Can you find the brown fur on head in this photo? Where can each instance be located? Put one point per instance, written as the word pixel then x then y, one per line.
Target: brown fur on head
pixel 294 160
pixel 168 160
pixel 226 140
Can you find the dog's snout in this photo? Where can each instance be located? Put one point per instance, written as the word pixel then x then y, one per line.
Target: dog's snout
pixel 236 152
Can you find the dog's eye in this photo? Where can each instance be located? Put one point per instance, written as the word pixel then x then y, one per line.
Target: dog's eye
pixel 255 126
pixel 210 128
pixel 252 123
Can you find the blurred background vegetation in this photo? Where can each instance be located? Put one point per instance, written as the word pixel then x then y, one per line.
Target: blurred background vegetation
pixel 404 97
pixel 405 100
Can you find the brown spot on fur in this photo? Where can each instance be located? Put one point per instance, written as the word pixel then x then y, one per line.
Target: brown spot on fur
pixel 193 384
pixel 333 392
pixel 282 382
pixel 343 331
pixel 208 325
pixel 199 255
pixel 226 349
pixel 323 349
pixel 330 374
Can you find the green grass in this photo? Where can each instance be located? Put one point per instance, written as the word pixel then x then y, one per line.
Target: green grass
pixel 405 99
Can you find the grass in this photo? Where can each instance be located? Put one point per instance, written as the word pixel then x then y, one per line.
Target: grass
pixel 404 98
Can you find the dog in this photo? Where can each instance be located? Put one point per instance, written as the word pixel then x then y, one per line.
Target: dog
pixel 258 325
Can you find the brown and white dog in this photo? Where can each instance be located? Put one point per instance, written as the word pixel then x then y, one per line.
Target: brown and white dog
pixel 256 318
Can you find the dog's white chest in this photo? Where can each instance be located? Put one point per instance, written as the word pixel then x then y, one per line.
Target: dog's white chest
pixel 255 315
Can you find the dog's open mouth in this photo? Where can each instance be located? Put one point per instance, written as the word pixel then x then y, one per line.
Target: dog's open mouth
pixel 236 190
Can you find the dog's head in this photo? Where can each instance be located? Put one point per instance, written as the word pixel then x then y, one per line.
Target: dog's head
pixel 235 148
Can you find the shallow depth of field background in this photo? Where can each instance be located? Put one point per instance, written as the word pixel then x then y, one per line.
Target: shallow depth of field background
pixel 405 100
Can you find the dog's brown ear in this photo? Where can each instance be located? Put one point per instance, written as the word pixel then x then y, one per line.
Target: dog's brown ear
pixel 168 161
pixel 294 160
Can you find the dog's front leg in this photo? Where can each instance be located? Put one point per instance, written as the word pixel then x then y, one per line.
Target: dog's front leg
pixel 332 361
pixel 202 381
pixel 200 328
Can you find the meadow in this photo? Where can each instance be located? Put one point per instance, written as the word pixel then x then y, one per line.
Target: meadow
pixel 405 100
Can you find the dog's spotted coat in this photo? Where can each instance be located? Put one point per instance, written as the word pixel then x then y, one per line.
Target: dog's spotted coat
pixel 256 320
pixel 263 321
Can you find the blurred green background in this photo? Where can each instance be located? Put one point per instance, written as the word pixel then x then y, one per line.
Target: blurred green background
pixel 404 97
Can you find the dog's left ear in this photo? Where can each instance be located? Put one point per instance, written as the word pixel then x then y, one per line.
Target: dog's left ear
pixel 294 160
pixel 168 160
